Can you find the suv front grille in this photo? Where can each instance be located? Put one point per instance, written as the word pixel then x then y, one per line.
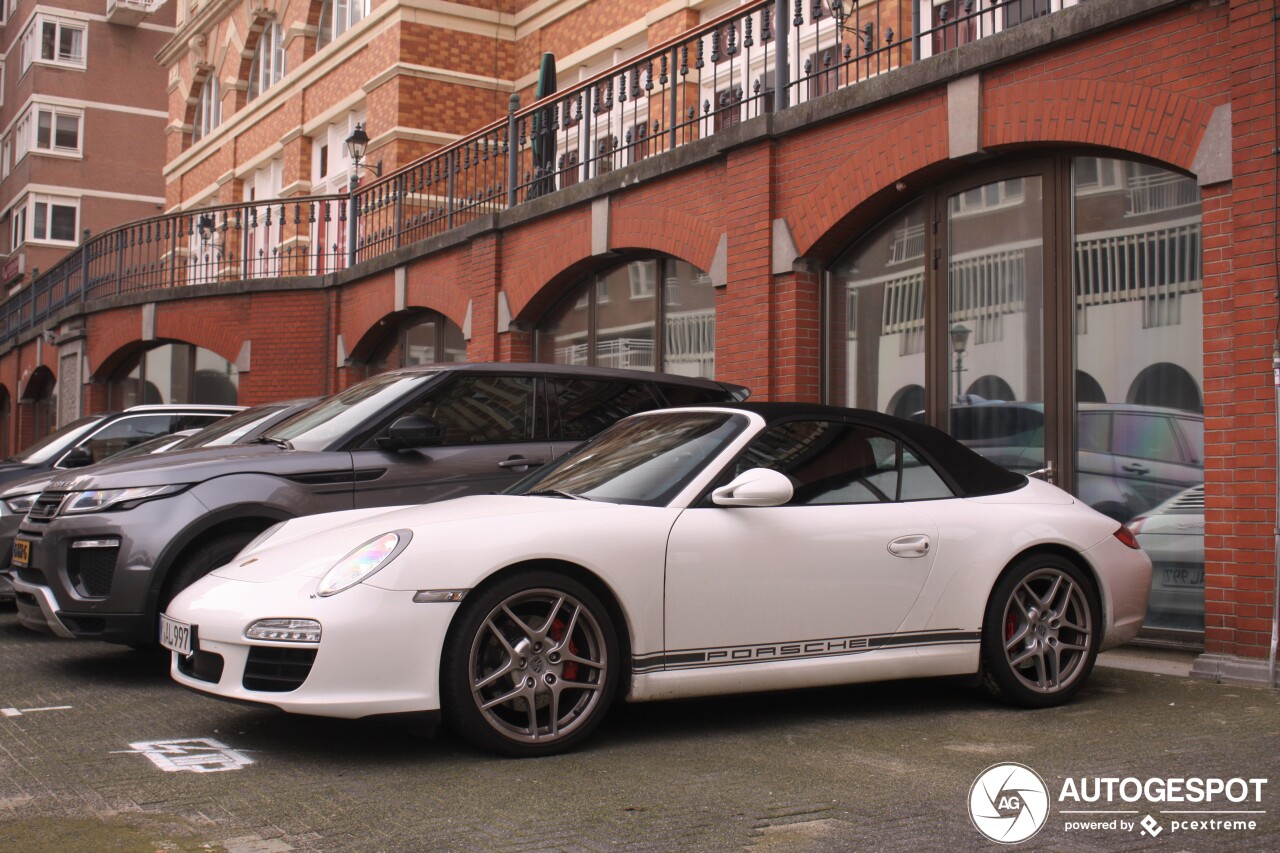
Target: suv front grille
pixel 275 669
pixel 91 570
pixel 45 507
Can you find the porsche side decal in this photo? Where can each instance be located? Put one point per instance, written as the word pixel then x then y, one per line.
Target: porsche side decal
pixel 795 650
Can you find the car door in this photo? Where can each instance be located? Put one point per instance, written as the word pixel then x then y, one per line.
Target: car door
pixel 1150 459
pixel 834 571
pixel 489 422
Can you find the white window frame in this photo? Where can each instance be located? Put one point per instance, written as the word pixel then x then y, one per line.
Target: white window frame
pixel 268 66
pixel 337 17
pixel 18 221
pixel 32 48
pixel 29 131
pixel 49 202
pixel 208 109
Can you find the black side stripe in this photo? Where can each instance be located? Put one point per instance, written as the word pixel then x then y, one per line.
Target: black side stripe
pixel 795 650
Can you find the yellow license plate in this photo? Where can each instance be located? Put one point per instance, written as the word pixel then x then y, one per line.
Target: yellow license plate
pixel 21 552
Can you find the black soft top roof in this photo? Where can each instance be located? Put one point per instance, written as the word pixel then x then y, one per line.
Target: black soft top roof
pixel 968 474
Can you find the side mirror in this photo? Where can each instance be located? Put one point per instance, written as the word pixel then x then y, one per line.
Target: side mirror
pixel 756 487
pixel 78 457
pixel 412 431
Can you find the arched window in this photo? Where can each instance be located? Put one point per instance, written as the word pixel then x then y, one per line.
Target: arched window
pixel 338 16
pixel 268 60
pixel 208 109
pixel 612 319
pixel 423 338
pixel 173 373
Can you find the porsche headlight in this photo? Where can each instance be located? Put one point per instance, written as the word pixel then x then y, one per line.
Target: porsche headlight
pixel 97 500
pixel 18 504
pixel 363 562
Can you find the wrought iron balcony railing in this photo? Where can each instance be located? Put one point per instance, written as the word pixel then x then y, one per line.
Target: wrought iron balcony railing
pixel 763 57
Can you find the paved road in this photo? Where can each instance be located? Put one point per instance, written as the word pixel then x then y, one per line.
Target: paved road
pixel 873 767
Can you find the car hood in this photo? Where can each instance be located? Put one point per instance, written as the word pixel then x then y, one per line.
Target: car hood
pixel 28 485
pixel 189 466
pixel 10 471
pixel 311 545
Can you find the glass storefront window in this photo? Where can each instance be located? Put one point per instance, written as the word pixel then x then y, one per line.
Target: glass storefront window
pixel 613 319
pixel 1136 284
pixel 876 320
pixel 422 338
pixel 174 373
pixel 1048 314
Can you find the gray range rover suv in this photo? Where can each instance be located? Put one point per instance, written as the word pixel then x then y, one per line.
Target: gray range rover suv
pixel 99 555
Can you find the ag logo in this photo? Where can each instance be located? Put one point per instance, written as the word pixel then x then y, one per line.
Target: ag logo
pixel 1009 803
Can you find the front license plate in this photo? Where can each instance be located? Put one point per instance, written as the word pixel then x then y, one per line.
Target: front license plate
pixel 175 635
pixel 21 552
pixel 1183 577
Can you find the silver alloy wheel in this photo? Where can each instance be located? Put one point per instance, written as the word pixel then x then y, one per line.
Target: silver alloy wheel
pixel 1047 630
pixel 538 665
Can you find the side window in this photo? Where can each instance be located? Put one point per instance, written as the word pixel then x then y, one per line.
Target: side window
pixel 181 422
pixel 482 409
pixel 1193 434
pixel 125 433
pixel 1093 433
pixel 587 406
pixel 920 482
pixel 830 462
pixel 1146 438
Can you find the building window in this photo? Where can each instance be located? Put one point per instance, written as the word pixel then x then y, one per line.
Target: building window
pixel 268 60
pixel 57 130
pixel 422 338
pixel 174 373
pixel 53 220
pixel 57 41
pixel 652 314
pixel 4 158
pixel 208 109
pixel 19 223
pixel 338 16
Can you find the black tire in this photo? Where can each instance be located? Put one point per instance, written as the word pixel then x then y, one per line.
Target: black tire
pixel 1041 633
pixel 207 556
pixel 544 642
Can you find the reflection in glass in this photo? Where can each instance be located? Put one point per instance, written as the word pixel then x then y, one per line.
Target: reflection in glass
pixel 612 319
pixel 424 337
pixel 1138 310
pixel 174 373
pixel 876 319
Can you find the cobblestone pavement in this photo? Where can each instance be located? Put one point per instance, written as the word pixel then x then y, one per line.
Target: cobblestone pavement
pixel 871 767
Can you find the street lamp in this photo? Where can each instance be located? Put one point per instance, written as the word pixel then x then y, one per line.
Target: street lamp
pixel 205 225
pixel 959 343
pixel 356 145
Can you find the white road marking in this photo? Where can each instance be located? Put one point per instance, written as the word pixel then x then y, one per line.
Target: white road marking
pixel 199 755
pixel 14 712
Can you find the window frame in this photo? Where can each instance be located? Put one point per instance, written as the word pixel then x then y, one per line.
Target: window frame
pixel 269 64
pixel 208 116
pixel 31 48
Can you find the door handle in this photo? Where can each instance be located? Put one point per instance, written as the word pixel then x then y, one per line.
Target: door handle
pixel 916 545
pixel 1135 468
pixel 520 462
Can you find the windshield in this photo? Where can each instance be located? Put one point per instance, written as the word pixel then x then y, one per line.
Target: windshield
pixel 229 429
pixel 645 460
pixel 56 442
pixel 318 427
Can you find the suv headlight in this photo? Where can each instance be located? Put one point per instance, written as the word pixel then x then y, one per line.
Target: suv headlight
pixel 363 562
pixel 97 500
pixel 18 504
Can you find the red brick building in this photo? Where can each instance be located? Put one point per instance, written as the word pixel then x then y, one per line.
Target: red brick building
pixel 1050 230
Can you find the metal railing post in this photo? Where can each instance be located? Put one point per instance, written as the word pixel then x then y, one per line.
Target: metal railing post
pixel 352 213
pixel 781 55
pixel 513 152
pixel 673 100
pixel 915 30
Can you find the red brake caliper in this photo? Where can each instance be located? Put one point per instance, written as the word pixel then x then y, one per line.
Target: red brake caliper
pixel 570 671
pixel 1010 625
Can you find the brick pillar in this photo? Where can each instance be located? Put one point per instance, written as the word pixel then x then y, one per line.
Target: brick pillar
pixel 483 272
pixel 1239 327
pixel 746 319
pixel 797 347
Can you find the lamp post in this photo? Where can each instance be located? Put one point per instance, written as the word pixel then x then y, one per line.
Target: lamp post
pixel 356 145
pixel 205 226
pixel 959 343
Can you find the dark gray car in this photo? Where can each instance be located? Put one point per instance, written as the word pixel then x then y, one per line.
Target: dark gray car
pixel 17 497
pixel 107 550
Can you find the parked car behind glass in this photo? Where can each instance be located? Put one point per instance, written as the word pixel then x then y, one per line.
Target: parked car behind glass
pixel 111 547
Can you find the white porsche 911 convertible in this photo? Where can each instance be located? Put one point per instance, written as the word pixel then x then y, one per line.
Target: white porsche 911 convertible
pixel 683 552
